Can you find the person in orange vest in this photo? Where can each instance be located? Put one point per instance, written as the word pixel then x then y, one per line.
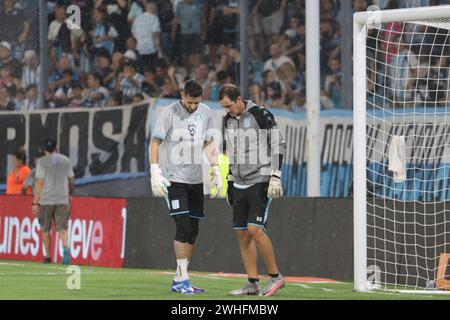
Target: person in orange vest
pixel 28 185
pixel 18 175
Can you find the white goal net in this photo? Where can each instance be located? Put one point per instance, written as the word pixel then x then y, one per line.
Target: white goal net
pixel 408 153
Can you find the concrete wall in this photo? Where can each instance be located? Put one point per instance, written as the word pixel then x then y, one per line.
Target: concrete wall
pixel 311 237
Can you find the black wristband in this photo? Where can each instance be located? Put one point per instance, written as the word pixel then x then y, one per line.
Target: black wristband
pixel 36 204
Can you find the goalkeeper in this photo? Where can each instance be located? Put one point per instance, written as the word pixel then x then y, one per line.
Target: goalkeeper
pixel 183 130
pixel 253 182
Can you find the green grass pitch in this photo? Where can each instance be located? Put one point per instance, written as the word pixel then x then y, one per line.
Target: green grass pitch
pixel 26 280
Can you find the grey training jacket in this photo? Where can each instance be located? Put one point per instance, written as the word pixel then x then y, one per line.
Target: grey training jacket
pixel 255 145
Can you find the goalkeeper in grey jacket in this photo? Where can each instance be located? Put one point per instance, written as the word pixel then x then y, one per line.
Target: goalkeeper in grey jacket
pixel 255 148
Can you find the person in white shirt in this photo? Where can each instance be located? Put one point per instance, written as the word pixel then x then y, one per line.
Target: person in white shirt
pixel 96 95
pixel 31 70
pixel 31 102
pixel 277 60
pixel 146 29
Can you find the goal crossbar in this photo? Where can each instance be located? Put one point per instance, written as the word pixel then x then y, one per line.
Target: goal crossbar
pixel 402 15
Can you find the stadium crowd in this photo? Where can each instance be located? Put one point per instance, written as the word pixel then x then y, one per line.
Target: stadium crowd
pixel 128 50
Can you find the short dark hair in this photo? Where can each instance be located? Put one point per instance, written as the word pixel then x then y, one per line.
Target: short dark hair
pixel 21 154
pixel 49 145
pixel 229 90
pixel 68 72
pixel 131 64
pixel 192 89
pixel 97 77
pixel 31 86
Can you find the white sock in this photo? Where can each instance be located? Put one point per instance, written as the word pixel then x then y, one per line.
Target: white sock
pixel 182 273
pixel 177 275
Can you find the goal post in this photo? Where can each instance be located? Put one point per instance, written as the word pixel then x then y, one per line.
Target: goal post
pixel 401 119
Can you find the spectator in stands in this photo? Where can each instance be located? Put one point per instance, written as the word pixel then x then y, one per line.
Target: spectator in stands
pixel 107 30
pixel 130 56
pixel 137 98
pixel 269 77
pixel 102 66
pixel 63 93
pixel 104 33
pixel 329 9
pixel 117 16
pixel 19 99
pixel 188 16
pixel 146 29
pixel 294 39
pixel 227 18
pixel 129 83
pixel 438 80
pixel 299 101
pixel 56 79
pixel 277 59
pixel 325 101
pixel 136 8
pixel 19 173
pixel 359 5
pixel 333 85
pixel 225 77
pixel 291 79
pixel 166 16
pixel 131 43
pixel 170 87
pixel 149 87
pixel 274 96
pixel 7 80
pixel 255 38
pixel 213 26
pixel 7 60
pixel 256 94
pixel 95 95
pixel 14 27
pixel 113 101
pixel 6 102
pixel 164 70
pixel 403 71
pixel 390 31
pixel 272 13
pixel 77 96
pixel 232 63
pixel 31 70
pixel 59 36
pixel 203 78
pixel 329 42
pixel 295 8
pixel 31 101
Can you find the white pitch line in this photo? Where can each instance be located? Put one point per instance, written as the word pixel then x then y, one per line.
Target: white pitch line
pixel 209 277
pixel 304 286
pixel 33 274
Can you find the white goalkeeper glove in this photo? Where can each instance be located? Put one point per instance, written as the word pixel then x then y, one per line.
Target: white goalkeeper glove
pixel 216 181
pixel 275 189
pixel 158 182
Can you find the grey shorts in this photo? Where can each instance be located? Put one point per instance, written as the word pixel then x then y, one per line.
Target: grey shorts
pixel 60 213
